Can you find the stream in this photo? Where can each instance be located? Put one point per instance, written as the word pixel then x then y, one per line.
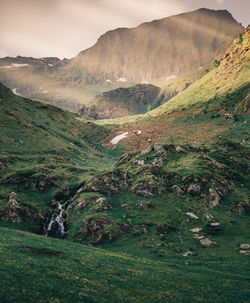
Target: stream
pixel 55 222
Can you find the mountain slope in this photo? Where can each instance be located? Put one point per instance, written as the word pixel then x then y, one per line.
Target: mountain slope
pixel 123 102
pixel 169 219
pixel 156 50
pixel 45 154
pixel 171 46
pixel 216 92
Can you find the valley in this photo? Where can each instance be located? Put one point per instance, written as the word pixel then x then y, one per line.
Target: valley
pixel 141 195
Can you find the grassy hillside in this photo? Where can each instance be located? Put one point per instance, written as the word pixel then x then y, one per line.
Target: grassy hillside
pixel 59 271
pixel 45 153
pixel 166 221
pixel 123 102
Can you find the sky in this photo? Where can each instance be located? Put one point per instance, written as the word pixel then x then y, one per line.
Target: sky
pixel 62 28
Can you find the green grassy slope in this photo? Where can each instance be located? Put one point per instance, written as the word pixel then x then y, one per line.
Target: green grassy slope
pixel 39 269
pixel 42 150
pixel 145 249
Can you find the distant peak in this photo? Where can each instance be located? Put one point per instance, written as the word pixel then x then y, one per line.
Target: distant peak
pixel 221 12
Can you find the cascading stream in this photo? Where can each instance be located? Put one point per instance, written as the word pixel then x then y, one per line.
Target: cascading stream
pixel 55 223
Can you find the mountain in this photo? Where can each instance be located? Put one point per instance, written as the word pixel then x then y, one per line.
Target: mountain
pixel 159 49
pixel 122 102
pixel 151 207
pixel 152 52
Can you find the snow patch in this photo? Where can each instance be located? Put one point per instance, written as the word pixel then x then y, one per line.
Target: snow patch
pixel 50 64
pixel 116 139
pixel 139 132
pixel 15 92
pixel 171 77
pixel 108 80
pixel 121 80
pixel 45 92
pixel 15 65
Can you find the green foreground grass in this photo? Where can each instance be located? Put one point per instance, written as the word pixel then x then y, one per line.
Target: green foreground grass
pixel 40 269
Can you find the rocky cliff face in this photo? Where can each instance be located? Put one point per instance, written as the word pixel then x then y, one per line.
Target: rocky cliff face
pixel 159 49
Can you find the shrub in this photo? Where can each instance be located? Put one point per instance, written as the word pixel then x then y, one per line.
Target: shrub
pixel 216 63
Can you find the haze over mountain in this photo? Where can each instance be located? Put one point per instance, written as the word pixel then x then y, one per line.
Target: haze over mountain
pixel 154 51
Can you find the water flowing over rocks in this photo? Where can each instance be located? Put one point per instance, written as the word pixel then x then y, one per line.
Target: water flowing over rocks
pixel 55 222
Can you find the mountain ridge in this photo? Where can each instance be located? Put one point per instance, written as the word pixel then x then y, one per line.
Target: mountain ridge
pixel 163 48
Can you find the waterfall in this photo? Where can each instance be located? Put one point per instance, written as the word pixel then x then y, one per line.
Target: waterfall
pixel 55 223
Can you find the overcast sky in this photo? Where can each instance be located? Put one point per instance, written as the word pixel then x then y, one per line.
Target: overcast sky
pixel 63 28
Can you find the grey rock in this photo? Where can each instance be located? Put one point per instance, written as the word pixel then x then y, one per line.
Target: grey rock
pixel 177 190
pixel 147 188
pixel 101 204
pixel 179 149
pixel 194 189
pixel 192 215
pixel 123 159
pixel 80 207
pixel 147 150
pixel 158 161
pixel 244 246
pixel 207 242
pixel 217 193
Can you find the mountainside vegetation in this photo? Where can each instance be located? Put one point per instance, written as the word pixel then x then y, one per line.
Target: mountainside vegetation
pixel 152 207
pixel 122 102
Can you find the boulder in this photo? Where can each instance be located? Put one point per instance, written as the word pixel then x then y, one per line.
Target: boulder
pixel 108 184
pixel 177 190
pixel 244 246
pixel 140 162
pixel 217 193
pixel 207 242
pixel 179 149
pixel 196 230
pixel 40 184
pixel 3 164
pixel 159 151
pixel 208 216
pixel 147 188
pixel 123 159
pixel 101 204
pixel 16 212
pixel 215 224
pixel 194 189
pixel 81 205
pixel 242 208
pixel 214 197
pixel 187 253
pixel 158 161
pixel 246 252
pixel 192 216
pixel 147 150
pixel 95 227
